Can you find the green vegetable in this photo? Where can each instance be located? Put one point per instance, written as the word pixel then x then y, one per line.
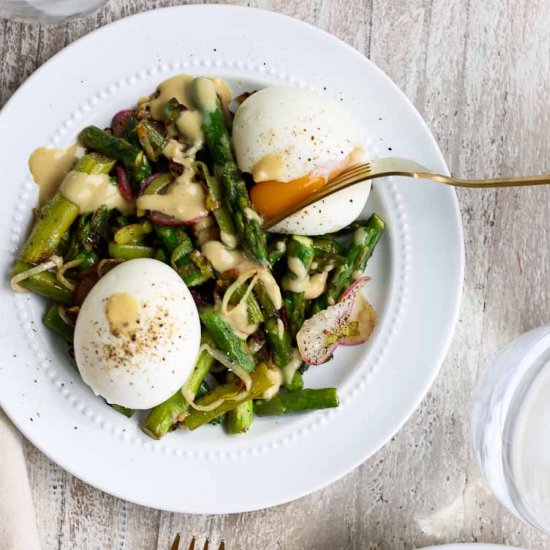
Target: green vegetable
pixel 218 142
pixel 279 341
pixel 118 148
pixel 261 381
pixel 58 214
pixel 44 283
pixel 239 419
pixel 130 251
pixel 55 322
pixel 297 382
pixel 163 417
pixel 297 401
pixel 151 140
pixel 191 265
pixel 365 239
pixel 215 203
pixel 225 339
pixel 123 410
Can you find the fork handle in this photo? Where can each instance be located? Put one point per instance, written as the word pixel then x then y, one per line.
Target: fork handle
pixel 522 181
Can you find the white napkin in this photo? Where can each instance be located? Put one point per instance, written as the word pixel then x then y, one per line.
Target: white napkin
pixel 17 522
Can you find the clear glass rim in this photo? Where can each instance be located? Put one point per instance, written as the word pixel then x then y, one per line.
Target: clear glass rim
pixel 534 361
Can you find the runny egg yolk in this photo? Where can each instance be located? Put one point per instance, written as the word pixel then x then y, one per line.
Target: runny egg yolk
pixel 271 197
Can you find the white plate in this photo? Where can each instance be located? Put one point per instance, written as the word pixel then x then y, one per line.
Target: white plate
pixel 417 269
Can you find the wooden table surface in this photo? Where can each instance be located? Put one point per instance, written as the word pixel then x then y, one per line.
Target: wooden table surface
pixel 479 73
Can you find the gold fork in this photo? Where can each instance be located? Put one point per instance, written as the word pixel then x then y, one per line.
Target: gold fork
pixel 382 167
pixel 176 544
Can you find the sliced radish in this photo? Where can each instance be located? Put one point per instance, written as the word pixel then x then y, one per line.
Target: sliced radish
pixel 162 219
pixel 123 184
pixel 120 122
pixel 349 322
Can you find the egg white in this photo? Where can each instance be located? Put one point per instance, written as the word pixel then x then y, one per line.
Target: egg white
pixel 142 369
pixel 310 133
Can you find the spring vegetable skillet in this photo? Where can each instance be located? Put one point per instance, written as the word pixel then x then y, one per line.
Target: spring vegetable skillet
pixel 156 222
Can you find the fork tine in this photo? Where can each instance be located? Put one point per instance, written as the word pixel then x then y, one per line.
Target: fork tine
pixel 354 172
pixel 192 545
pixel 222 545
pixel 206 544
pixel 176 543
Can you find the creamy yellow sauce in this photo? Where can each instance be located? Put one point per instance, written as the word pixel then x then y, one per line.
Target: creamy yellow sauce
pixel 300 281
pixel 223 259
pixel 49 166
pixel 205 93
pixel 189 125
pixel 185 200
pixel 315 285
pixel 237 315
pixel 179 87
pixel 269 168
pixel 290 369
pixel 91 191
pixel 205 230
pixel 123 312
pixel 277 380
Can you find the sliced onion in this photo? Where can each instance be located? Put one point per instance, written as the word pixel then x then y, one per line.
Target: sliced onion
pixel 147 181
pixel 60 275
pixel 162 219
pixel 54 261
pixel 123 184
pixel 237 370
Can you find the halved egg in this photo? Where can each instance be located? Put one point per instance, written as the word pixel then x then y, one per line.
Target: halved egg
pixel 292 141
pixel 137 334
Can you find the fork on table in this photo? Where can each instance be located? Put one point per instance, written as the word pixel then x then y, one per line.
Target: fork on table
pixel 194 543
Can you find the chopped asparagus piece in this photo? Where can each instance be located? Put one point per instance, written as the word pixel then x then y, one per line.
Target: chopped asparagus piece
pixel 297 401
pixel 239 419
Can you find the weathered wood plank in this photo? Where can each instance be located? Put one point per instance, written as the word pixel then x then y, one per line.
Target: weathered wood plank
pixel 478 72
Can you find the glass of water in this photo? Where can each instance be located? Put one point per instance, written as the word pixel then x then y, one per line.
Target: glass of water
pixel 44 11
pixel 511 427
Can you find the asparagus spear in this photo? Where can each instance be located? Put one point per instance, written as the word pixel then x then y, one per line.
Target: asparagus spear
pixel 297 401
pixel 277 249
pixel 161 418
pixel 44 283
pixel 255 314
pixel 300 252
pixel 239 419
pixel 279 340
pixel 118 148
pixel 151 140
pixel 190 264
pixel 295 307
pixel 261 381
pixel 58 214
pixel 228 234
pixel 55 322
pixel 128 413
pixel 247 222
pixel 297 382
pixel 365 238
pixel 130 251
pixel 225 339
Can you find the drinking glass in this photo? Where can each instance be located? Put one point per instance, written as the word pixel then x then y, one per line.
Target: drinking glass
pixel 511 427
pixel 44 11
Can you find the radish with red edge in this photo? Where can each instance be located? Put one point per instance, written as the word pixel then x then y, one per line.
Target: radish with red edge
pixel 120 122
pixel 123 184
pixel 349 322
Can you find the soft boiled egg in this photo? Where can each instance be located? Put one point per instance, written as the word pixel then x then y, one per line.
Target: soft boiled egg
pixel 292 141
pixel 137 334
